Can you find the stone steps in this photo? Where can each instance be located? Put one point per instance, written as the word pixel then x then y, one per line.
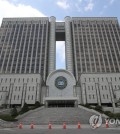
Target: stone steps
pixel 58 116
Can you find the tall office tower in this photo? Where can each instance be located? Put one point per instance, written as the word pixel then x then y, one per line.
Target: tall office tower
pixel 24 46
pixel 52 45
pixel 28 61
pixel 96 43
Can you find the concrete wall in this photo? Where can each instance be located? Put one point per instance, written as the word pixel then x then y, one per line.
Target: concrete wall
pixel 100 88
pixel 20 88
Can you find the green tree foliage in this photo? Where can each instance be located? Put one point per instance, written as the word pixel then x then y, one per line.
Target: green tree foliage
pixel 14 112
pixel 24 108
pixel 99 108
pixel 37 104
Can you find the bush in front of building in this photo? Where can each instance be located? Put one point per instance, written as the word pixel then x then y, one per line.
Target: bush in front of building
pixel 14 112
pixel 99 108
pixel 86 105
pixel 24 109
pixel 37 104
pixel 7 117
pixel 117 116
pixel 112 115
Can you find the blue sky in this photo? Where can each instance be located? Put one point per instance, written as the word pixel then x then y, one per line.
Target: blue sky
pixel 59 9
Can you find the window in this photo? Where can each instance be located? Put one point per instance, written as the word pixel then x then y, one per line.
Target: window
pixel 93 96
pixel 32 97
pixel 18 97
pixel 14 97
pixel 105 87
pixel 107 96
pixel 89 96
pixel 28 97
pixel 103 96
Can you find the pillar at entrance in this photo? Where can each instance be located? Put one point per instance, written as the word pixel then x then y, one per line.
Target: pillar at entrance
pixel 52 45
pixel 68 45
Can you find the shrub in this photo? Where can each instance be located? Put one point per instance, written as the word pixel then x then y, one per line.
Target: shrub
pixel 24 108
pixel 7 118
pixel 14 112
pixel 98 108
pixel 117 115
pixel 87 105
pixel 107 112
pixel 37 104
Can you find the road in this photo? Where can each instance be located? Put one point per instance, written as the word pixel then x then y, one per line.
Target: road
pixel 37 130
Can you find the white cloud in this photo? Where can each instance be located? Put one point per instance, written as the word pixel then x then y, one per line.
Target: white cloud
pixel 60 50
pixel 8 9
pixel 89 6
pixel 112 1
pixel 105 6
pixel 79 9
pixel 80 0
pixel 63 4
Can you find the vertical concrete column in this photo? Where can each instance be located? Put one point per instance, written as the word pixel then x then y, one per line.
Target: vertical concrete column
pixel 111 94
pixel 52 45
pixel 68 45
pixel 38 94
pixel 98 93
pixel 84 96
pixel 46 104
pixel 76 103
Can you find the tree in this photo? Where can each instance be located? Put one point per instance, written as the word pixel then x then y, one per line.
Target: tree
pixel 14 112
pixel 37 104
pixel 99 108
pixel 24 108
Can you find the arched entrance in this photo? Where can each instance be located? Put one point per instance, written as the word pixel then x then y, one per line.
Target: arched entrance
pixel 61 91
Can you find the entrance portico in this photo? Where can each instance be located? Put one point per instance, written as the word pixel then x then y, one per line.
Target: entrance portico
pixel 61 89
pixel 61 102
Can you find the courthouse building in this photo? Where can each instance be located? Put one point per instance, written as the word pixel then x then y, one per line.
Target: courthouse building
pixel 28 61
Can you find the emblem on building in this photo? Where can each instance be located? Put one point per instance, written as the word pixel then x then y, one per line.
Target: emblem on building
pixel 61 82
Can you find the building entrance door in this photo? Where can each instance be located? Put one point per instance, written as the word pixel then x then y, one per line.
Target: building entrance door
pixel 61 103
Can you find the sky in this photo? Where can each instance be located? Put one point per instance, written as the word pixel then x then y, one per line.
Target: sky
pixel 59 9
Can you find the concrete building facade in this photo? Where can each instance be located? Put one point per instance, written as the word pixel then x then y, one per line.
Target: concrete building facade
pixel 28 61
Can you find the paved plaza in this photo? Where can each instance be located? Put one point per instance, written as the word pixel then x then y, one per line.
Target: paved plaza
pixel 59 130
